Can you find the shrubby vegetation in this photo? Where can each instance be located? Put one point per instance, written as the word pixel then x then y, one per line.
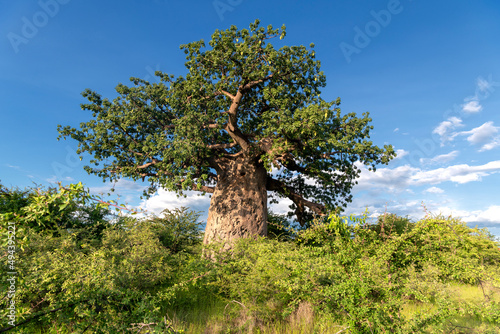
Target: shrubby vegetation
pixel 82 269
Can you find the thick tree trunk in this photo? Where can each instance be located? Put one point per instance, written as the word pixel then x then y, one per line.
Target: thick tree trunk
pixel 238 207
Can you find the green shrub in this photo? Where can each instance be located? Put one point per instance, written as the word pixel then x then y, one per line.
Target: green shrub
pixel 52 210
pixel 178 229
pixel 77 272
pixel 279 227
pixel 390 224
pixel 353 276
pixel 68 280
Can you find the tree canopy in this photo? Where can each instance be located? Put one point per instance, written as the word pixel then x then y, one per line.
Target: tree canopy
pixel 240 100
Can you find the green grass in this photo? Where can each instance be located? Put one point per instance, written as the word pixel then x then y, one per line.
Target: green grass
pixel 215 315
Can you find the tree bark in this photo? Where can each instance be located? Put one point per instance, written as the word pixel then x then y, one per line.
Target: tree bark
pixel 238 207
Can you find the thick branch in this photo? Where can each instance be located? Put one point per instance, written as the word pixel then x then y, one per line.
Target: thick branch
pixel 232 126
pixel 146 165
pixel 205 189
pixel 298 200
pixel 222 146
pixel 226 93
pixel 211 126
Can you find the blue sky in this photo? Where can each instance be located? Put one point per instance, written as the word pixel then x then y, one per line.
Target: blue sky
pixel 428 72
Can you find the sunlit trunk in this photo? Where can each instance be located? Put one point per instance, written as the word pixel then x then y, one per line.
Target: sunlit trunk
pixel 238 208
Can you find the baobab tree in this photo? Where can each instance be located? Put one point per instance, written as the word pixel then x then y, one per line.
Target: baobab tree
pixel 245 121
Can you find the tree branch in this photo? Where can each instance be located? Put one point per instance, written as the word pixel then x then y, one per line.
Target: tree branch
pixel 206 189
pixel 298 200
pixel 146 165
pixel 232 126
pixel 251 84
pixel 226 93
pixel 222 146
pixel 211 126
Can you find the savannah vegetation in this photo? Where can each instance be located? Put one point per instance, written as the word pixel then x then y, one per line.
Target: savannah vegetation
pixel 246 121
pixel 82 268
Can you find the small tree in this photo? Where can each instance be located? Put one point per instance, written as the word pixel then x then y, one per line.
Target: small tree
pixel 245 120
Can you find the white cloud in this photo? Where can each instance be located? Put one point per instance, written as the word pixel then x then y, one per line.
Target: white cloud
pixel 400 179
pixel 456 173
pixel 444 129
pixel 485 87
pixel 416 209
pixel 491 145
pixel 392 180
pixel 396 129
pixel 492 215
pixel 485 136
pixel 12 166
pixel 466 178
pixel 169 200
pixel 482 133
pixel 488 217
pixel 472 106
pixel 283 206
pixel 401 153
pixel 54 179
pixel 439 159
pixel 434 190
pixel 378 205
pixel 444 126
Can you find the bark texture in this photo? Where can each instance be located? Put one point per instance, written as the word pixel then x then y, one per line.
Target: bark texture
pixel 238 207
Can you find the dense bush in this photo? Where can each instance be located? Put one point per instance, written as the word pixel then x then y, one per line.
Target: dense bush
pixel 82 270
pixel 52 210
pixel 390 224
pixel 77 271
pixel 361 276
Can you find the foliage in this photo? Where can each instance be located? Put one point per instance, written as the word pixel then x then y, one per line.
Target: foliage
pixel 149 275
pixel 52 210
pixel 280 227
pixel 241 98
pixel 77 279
pixel 390 224
pixel 88 288
pixel 357 277
pixel 178 229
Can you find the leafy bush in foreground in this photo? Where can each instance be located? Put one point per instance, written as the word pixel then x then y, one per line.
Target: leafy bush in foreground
pixel 356 277
pixel 74 279
pixel 52 210
pixel 138 274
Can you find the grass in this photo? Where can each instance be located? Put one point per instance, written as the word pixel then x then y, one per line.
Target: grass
pixel 215 315
pixel 458 293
